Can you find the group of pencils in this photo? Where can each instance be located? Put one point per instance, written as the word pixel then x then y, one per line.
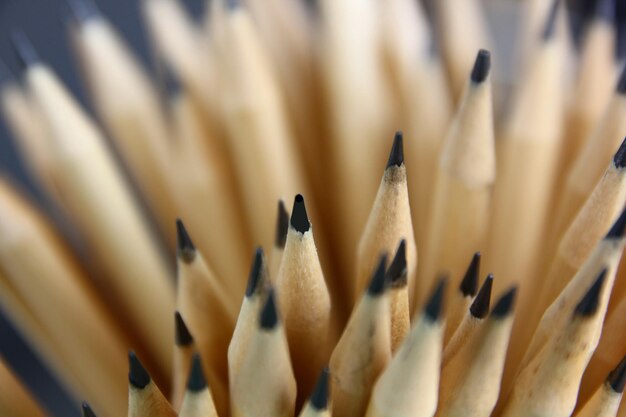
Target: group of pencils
pixel 371 294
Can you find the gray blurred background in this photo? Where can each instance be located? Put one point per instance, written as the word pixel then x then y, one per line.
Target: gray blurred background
pixel 44 23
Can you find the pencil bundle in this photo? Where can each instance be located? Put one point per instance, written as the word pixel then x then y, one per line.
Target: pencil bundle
pixel 443 256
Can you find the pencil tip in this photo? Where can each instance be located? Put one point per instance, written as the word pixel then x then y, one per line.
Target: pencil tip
pixel 482 65
pixel 83 10
pixel 434 306
pixel 396 155
pixel 377 283
pixel 505 304
pixel 591 300
pixel 186 249
pixel 550 25
pixel 137 374
pixel 469 284
pixel 319 398
pixel 617 230
pixel 397 271
pixel 282 225
pixel 619 160
pixel 24 49
pixel 257 272
pixel 181 331
pixel 480 305
pixel 621 84
pixel 269 313
pixel 170 85
pixel 196 381
pixel 232 4
pixel 87 411
pixel 299 218
pixel 617 377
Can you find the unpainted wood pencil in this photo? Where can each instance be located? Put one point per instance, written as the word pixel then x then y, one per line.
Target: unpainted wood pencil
pixel 304 300
pixel 198 401
pixel 144 397
pixel 389 222
pixel 202 301
pixel 470 385
pixel 183 353
pixel 364 349
pixel 605 402
pixel 409 385
pixel 471 323
pixel 318 404
pixel 266 385
pixel 100 203
pixel 461 300
pixel 462 192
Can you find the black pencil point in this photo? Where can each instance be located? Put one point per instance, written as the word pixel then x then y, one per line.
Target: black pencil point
pixel 299 218
pixel 504 306
pixel 87 411
pixel 269 313
pixel 186 249
pixel 319 398
pixel 591 300
pixel 396 155
pixel 482 65
pixel 619 160
pixel 169 82
pixel 83 10
pixel 377 283
pixel 617 377
pixel 469 284
pixel 257 272
pixel 621 84
pixel 480 306
pixel 137 374
pixel 282 225
pixel 397 271
pixel 550 25
pixel 434 306
pixel 196 381
pixel 617 230
pixel 181 332
pixel 24 49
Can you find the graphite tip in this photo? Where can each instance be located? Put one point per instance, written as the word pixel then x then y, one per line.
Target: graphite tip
pixel 396 155
pixel 257 273
pixel 617 377
pixel 282 224
pixel 186 249
pixel 591 300
pixel 181 332
pixel 480 305
pixel 469 284
pixel 24 49
pixel 482 65
pixel 617 230
pixel 377 283
pixel 137 374
pixel 87 411
pixel 196 381
pixel 397 271
pixel 319 397
pixel 434 305
pixel 619 160
pixel 269 313
pixel 299 218
pixel 505 304
pixel 549 27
